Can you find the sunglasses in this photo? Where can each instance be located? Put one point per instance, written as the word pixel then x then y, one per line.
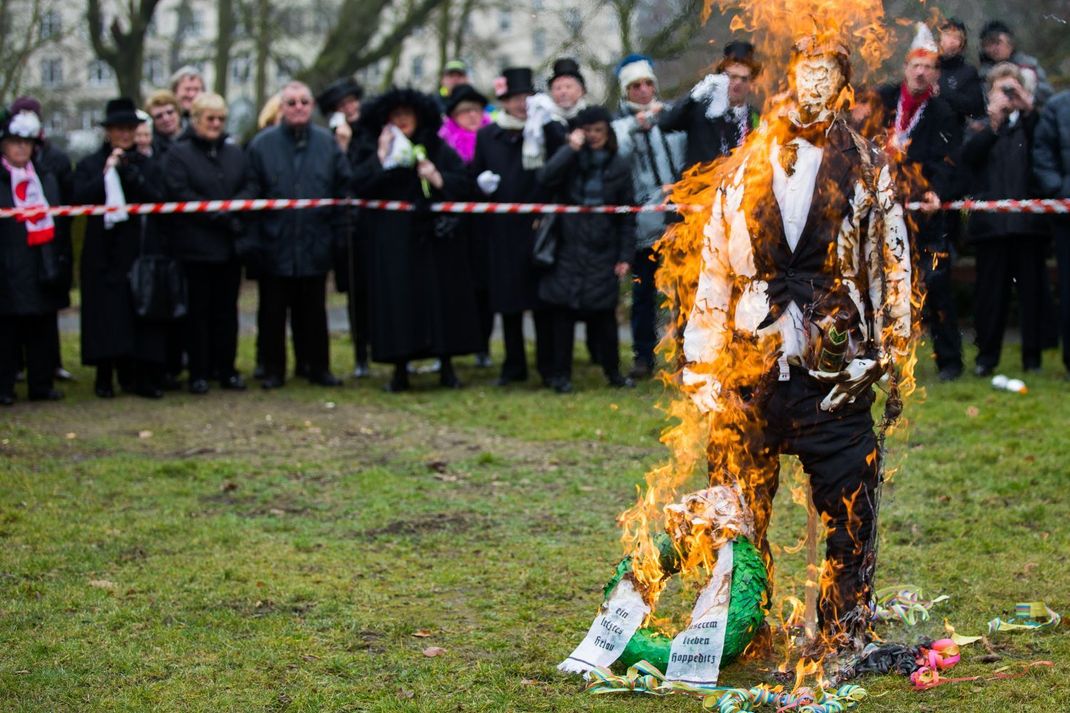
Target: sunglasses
pixel 295 102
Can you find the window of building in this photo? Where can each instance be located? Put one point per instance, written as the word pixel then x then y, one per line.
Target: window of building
pixel 56 123
pixel 417 67
pixel 51 25
pixel 195 26
pixel 100 73
pixel 538 43
pixel 153 70
pixel 286 68
pixel 537 5
pixel 573 20
pixel 51 72
pixel 241 68
pixel 505 19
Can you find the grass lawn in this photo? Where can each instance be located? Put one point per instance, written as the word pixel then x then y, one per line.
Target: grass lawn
pixel 298 550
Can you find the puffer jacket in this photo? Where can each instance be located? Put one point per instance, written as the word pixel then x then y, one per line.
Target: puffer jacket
pixel 285 164
pixel 588 246
pixel 199 170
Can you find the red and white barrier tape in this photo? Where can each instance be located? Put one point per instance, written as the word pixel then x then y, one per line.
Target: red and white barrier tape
pixel 260 204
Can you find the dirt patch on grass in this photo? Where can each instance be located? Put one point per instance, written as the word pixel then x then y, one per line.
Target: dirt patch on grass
pixel 455 523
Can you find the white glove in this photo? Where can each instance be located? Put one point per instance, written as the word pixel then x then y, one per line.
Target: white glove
pixel 703 389
pixel 855 379
pixel 488 182
pixel 713 92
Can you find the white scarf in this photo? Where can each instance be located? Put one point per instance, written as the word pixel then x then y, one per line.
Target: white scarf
pixel 114 196
pixel 27 192
pixel 509 122
pixel 541 111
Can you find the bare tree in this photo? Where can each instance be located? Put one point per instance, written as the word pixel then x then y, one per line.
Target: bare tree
pixel 125 52
pixel 366 32
pixel 226 24
pixel 22 32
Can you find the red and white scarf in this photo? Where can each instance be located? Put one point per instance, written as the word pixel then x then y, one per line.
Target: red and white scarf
pixel 908 113
pixel 27 192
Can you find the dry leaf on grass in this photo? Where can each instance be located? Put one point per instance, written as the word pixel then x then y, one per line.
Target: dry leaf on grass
pixel 432 651
pixel 404 693
pixel 144 434
pixel 103 584
pixel 422 633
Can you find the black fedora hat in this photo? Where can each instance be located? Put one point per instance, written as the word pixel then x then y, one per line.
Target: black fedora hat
pixel 464 93
pixel 120 112
pixel 329 99
pixel 514 80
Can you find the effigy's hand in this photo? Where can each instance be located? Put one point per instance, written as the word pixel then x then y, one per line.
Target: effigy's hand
pixel 703 389
pixel 855 379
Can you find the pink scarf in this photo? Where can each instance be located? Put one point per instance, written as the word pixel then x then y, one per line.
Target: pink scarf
pixel 26 192
pixel 459 139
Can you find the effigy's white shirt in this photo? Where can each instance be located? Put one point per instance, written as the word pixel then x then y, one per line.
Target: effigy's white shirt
pixel 794 194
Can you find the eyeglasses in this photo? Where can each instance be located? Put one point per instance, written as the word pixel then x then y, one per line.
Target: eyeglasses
pixel 305 101
pixel 162 114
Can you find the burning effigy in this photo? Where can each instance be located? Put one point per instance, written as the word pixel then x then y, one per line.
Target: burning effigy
pixel 791 294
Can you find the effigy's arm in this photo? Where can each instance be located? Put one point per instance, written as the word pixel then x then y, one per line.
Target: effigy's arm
pixel 887 254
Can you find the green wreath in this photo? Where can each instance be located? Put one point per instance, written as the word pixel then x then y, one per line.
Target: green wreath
pixel 746 609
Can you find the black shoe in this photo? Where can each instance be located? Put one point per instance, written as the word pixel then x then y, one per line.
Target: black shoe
pixel 563 386
pixel 396 386
pixel 361 370
pixel 198 386
pixel 104 391
pixel 170 383
pixel 506 380
pixel 325 378
pixel 449 380
pixel 641 370
pixel 950 373
pixel 62 374
pixel 50 395
pixel 149 392
pixel 272 382
pixel 620 382
pixel 7 399
pixel 982 370
pixel 302 370
pixel 259 372
pixel 234 382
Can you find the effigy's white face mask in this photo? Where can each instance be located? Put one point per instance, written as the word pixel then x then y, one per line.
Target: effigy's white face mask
pixel 818 81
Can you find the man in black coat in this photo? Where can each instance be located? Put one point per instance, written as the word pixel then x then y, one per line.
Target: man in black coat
pixel 924 136
pixel 960 85
pixel 717 115
pixel 1051 167
pixel 340 104
pixel 500 174
pixel 293 249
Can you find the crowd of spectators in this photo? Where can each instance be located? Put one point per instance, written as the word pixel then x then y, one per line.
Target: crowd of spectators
pixel 426 286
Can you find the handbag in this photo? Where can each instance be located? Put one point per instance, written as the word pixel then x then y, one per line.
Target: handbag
pixel 544 252
pixel 158 287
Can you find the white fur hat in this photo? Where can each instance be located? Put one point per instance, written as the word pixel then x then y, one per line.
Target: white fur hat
pixel 633 68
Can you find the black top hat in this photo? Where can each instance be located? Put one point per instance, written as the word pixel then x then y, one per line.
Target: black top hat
pixel 567 67
pixel 336 91
pixel 120 112
pixel 739 52
pixel 514 80
pixel 464 93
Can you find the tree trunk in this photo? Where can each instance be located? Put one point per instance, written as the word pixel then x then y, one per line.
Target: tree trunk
pixel 443 35
pixel 126 52
pixel 223 44
pixel 263 50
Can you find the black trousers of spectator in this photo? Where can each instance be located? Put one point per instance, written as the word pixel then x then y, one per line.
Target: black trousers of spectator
pixel 601 333
pixel 938 312
pixel 212 321
pixel 34 334
pixel 1062 257
pixel 644 307
pixel 1001 262
pixel 515 364
pixel 837 452
pixel 305 300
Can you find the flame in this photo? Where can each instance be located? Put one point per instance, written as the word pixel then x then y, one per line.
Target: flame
pixel 724 446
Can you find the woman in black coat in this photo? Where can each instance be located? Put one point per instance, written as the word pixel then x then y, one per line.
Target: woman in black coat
pixel 203 165
pixel 421 297
pixel 114 339
pixel 34 261
pixel 593 250
pixel 1010 247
